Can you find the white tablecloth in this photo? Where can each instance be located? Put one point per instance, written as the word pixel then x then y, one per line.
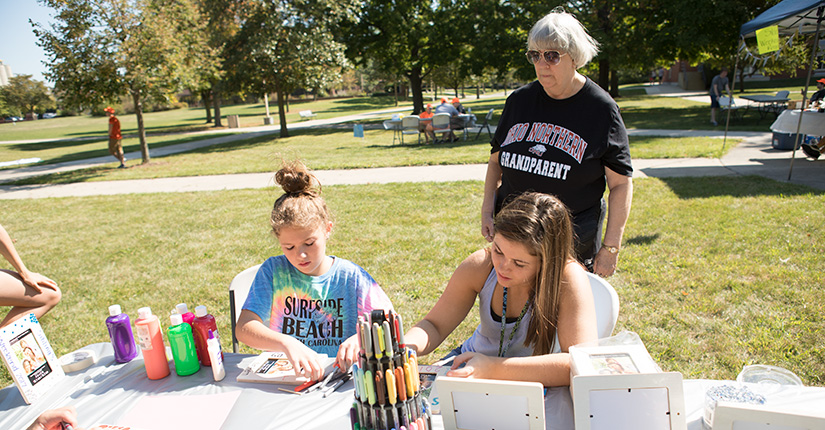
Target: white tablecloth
pixel 813 123
pixel 107 391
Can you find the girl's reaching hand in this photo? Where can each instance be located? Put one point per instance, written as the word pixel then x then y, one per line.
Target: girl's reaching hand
pixel 304 361
pixel 475 366
pixel 347 353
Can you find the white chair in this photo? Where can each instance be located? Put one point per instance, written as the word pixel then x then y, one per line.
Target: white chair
pixel 486 124
pixel 441 124
pixel 410 125
pixel 238 290
pixel 607 305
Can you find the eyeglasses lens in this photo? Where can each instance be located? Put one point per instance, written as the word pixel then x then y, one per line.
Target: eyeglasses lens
pixel 551 57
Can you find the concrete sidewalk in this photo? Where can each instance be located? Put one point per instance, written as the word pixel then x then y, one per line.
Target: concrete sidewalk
pixel 754 156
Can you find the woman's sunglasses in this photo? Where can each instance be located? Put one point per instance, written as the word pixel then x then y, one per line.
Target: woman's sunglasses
pixel 551 57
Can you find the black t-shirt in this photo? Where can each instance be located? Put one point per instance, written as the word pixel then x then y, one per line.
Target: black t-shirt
pixel 560 147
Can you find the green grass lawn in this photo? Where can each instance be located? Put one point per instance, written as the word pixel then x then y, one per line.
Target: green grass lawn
pixel 715 273
pixel 331 148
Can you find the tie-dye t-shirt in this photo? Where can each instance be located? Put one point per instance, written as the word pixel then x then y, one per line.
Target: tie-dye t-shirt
pixel 320 311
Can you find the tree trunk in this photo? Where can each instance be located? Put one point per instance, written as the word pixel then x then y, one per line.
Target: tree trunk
pixel 478 91
pixel 282 112
pixel 216 99
pixel 604 74
pixel 417 87
pixel 144 147
pixel 207 101
pixel 614 83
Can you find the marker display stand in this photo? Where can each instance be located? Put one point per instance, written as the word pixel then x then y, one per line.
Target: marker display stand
pixel 387 385
pixel 618 386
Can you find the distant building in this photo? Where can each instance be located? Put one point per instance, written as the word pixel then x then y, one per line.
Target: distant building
pixel 5 74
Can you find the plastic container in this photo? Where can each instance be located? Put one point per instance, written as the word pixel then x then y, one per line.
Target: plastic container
pixel 215 356
pixel 188 317
pixel 150 339
pixel 767 379
pixel 201 326
pixel 183 346
pixel 120 332
pixel 785 141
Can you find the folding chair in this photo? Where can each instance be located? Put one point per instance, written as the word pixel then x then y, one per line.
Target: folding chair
pixel 238 290
pixel 486 124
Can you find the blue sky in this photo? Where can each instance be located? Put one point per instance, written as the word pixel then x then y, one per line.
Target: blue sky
pixel 18 44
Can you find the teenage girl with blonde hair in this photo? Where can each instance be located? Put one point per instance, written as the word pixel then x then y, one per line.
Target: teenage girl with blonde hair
pixel 529 277
pixel 306 302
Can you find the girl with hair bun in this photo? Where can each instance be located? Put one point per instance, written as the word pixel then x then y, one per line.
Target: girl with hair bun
pixel 306 302
pixel 534 299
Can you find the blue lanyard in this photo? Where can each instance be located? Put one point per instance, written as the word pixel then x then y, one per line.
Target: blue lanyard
pixel 502 348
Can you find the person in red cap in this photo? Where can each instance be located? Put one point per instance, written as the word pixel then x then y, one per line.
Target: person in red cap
pixel 427 126
pixel 457 105
pixel 814 150
pixel 448 108
pixel 820 92
pixel 115 146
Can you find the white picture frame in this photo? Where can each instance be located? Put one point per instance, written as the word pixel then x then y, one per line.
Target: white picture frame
pixel 30 358
pixel 485 404
pixel 727 414
pixel 652 401
pixel 611 360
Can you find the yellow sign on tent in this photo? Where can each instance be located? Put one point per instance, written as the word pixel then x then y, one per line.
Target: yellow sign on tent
pixel 768 39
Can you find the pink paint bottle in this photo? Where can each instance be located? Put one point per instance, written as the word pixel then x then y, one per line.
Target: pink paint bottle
pixel 188 317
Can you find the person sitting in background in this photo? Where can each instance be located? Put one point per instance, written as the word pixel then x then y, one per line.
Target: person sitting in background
pixel 819 95
pixel 448 108
pixel 23 290
pixel 427 127
pixel 457 105
pixel 814 150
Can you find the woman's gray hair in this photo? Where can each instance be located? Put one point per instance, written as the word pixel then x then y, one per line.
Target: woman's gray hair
pixel 559 30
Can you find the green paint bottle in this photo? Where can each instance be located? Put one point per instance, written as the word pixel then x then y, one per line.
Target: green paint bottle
pixel 183 346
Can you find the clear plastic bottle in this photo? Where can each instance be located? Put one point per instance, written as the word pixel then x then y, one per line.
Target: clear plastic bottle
pixel 120 332
pixel 150 338
pixel 183 346
pixel 215 355
pixel 201 326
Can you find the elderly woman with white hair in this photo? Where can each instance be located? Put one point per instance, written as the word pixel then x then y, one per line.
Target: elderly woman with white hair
pixel 563 135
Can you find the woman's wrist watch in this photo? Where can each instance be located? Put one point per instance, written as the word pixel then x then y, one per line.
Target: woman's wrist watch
pixel 611 249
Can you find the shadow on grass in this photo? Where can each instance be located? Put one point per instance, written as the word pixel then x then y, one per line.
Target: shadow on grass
pixel 739 186
pixel 642 240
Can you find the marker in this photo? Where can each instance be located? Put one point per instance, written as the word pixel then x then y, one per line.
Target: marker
pixel 380 393
pixel 401 388
pixel 408 380
pixel 377 340
pixel 66 426
pixel 387 339
pixel 370 387
pixel 380 388
pixel 361 387
pixel 391 395
pixel 365 331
